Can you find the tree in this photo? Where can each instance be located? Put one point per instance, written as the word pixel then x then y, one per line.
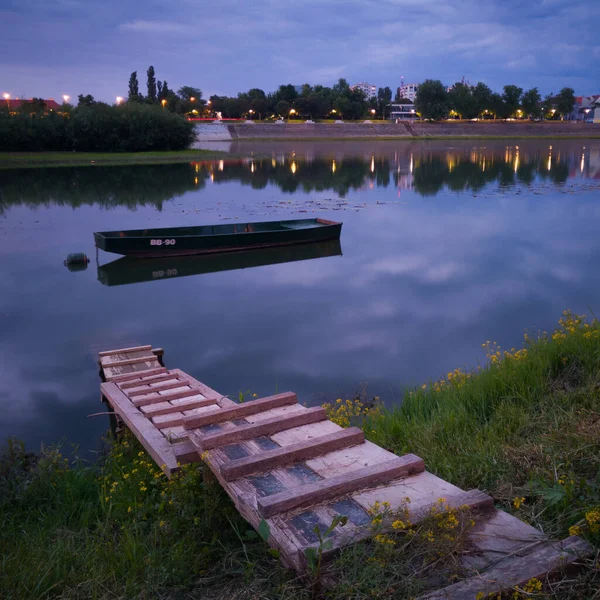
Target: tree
pixel 461 100
pixel 341 88
pixel 287 93
pixel 85 100
pixel 531 103
pixel 343 106
pixel 497 107
pixel 134 87
pixel 282 108
pixel 384 97
pixel 548 105
pixel 187 93
pixel 565 101
pixel 151 84
pixel 512 98
pixel 432 100
pixel 482 95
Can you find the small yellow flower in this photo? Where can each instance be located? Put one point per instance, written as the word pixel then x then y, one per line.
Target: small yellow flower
pixel 125 475
pixel 129 509
pixel 518 502
pixel 574 530
pixel 162 524
pixel 143 488
pixel 140 454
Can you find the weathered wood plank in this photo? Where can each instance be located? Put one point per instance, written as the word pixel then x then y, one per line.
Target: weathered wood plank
pixel 292 453
pixel 476 501
pixel 138 375
pixel 158 388
pixel 242 410
pixel 149 436
pixel 326 489
pixel 144 401
pixel 517 571
pixel 171 420
pixel 123 351
pixel 185 452
pixel 152 411
pixel 128 361
pixel 146 380
pixel 247 432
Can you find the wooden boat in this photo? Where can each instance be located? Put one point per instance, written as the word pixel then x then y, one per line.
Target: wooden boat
pixel 181 241
pixel 126 269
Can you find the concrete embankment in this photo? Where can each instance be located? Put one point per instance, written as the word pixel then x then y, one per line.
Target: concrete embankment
pixel 566 129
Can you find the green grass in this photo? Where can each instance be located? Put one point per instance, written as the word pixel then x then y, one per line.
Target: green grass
pixel 525 428
pixel 11 160
pixel 527 425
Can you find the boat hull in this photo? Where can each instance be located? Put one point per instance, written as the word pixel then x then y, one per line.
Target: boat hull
pixel 218 238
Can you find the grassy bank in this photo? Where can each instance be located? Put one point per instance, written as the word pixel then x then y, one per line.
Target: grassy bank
pixel 13 160
pixel 525 428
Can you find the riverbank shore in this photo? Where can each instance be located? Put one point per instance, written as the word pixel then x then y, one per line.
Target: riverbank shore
pixel 14 160
pixel 479 130
pixel 525 428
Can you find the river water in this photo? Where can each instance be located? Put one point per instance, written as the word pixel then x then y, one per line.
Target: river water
pixel 444 245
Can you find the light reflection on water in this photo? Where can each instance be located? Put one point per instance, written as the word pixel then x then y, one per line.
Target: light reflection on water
pixel 443 248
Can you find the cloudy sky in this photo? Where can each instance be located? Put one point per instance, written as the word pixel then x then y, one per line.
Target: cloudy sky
pixel 54 47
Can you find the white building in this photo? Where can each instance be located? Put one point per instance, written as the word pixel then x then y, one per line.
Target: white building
pixel 408 91
pixel 370 91
pixel 402 112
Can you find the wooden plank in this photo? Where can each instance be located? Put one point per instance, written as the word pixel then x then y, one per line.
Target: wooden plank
pixel 476 500
pixel 123 351
pixel 146 380
pixel 326 489
pixel 153 411
pixel 149 436
pixel 242 410
pixel 129 361
pixel 138 375
pixel 163 422
pixel 158 388
pixel 517 571
pixel 143 401
pixel 247 432
pixel 278 457
pixel 185 452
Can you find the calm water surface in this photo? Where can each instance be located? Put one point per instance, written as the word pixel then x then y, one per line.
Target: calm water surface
pixel 442 248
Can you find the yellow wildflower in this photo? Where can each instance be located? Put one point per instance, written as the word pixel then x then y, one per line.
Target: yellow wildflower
pixel 517 502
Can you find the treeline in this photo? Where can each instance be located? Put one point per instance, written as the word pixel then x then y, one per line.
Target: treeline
pixel 313 102
pixel 435 101
pixel 94 126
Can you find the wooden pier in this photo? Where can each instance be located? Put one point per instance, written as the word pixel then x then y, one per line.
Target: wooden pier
pixel 289 465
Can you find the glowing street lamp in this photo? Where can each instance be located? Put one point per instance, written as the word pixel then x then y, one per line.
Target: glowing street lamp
pixel 66 98
pixel 192 99
pixel 293 111
pixel 163 102
pixel 119 100
pixel 373 111
pixel 7 98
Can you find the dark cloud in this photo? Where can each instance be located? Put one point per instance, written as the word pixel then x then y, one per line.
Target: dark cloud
pixel 69 46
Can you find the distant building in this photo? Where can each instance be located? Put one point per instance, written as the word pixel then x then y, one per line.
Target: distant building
pixel 587 108
pixel 15 104
pixel 402 112
pixel 408 91
pixel 370 91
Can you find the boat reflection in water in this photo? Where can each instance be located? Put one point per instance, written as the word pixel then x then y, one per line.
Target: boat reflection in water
pixel 131 270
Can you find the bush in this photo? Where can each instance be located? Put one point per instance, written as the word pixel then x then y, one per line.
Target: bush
pixel 100 128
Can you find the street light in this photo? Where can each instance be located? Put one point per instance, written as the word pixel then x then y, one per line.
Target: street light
pixel 292 112
pixel 192 99
pixel 373 111
pixel 66 98
pixel 119 100
pixel 163 102
pixel 7 98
